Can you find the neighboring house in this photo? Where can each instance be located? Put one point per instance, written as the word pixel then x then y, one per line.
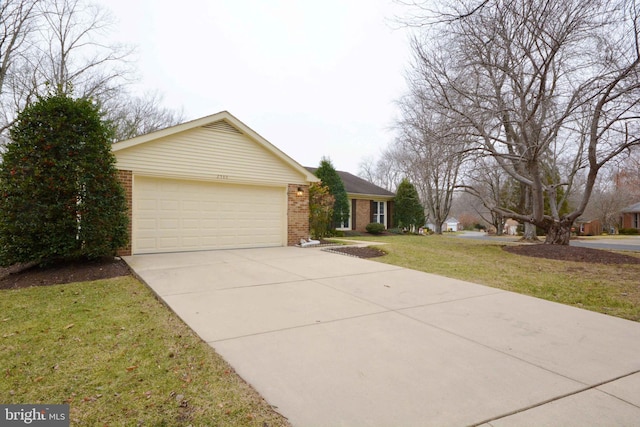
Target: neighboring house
pixel 211 183
pixel 589 228
pixel 510 227
pixel 631 216
pixel 367 202
pixel 451 224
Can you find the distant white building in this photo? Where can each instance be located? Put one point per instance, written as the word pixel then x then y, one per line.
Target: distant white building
pixel 511 227
pixel 451 224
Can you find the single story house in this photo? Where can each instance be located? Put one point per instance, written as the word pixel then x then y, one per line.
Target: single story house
pixel 631 216
pixel 510 227
pixel 453 224
pixel 367 202
pixel 589 227
pixel 211 183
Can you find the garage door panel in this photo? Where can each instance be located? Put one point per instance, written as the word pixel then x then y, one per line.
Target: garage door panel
pixel 174 215
pixel 147 224
pixel 168 243
pixel 209 206
pixel 190 205
pixel 169 224
pixel 170 205
pixel 146 244
pixel 191 224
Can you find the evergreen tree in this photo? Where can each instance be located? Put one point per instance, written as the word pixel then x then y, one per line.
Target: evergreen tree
pixel 61 198
pixel 408 209
pixel 329 177
pixel 320 210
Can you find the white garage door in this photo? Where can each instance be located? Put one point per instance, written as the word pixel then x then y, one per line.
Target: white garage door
pixel 174 215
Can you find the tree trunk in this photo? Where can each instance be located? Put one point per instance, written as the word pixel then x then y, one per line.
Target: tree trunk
pixel 498 223
pixel 558 233
pixel 530 234
pixel 438 228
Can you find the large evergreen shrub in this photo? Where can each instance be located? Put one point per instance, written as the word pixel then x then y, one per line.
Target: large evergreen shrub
pixel 329 177
pixel 320 210
pixel 60 195
pixel 408 209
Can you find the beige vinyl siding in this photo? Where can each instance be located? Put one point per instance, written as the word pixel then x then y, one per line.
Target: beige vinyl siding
pixel 172 215
pixel 216 152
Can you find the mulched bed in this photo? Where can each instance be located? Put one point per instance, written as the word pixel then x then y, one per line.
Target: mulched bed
pixel 359 252
pixel 23 276
pixel 572 253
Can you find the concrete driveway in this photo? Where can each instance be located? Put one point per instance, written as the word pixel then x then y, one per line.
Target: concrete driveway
pixel 332 340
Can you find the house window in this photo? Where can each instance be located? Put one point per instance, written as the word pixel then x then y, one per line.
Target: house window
pixel 635 220
pixel 379 212
pixel 346 224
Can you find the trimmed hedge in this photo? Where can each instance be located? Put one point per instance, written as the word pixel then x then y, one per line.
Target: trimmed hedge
pixel 629 231
pixel 375 228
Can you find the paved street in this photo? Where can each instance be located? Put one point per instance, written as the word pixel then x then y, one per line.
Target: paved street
pixel 617 243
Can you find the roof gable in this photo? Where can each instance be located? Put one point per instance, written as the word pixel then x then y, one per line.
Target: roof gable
pixel 354 185
pixel 218 146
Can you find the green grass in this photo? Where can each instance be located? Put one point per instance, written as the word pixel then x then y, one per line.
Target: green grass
pixel 118 357
pixel 609 289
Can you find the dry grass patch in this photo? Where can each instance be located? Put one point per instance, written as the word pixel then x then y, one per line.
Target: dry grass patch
pixel 610 289
pixel 118 357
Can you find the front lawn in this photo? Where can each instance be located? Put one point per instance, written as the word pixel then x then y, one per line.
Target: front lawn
pixel 118 357
pixel 610 289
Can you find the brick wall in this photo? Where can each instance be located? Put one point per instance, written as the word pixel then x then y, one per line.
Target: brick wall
pixel 363 214
pixel 126 179
pixel 297 214
pixel 627 219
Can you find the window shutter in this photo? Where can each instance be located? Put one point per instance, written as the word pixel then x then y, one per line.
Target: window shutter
pixel 372 208
pixel 353 214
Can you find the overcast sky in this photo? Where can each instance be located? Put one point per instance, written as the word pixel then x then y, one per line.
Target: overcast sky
pixel 315 78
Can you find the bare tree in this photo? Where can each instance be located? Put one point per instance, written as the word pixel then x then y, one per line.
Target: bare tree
pixel 429 152
pixel 132 116
pixel 627 175
pixel 383 172
pixel 74 54
pixel 617 186
pixel 605 206
pixel 493 187
pixel 63 46
pixel 549 89
pixel 17 23
pixel 367 168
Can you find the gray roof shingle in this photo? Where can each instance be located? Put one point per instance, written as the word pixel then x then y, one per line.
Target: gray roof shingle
pixel 631 209
pixel 356 185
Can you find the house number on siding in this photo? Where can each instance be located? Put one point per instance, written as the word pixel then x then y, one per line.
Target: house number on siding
pixel 222 176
